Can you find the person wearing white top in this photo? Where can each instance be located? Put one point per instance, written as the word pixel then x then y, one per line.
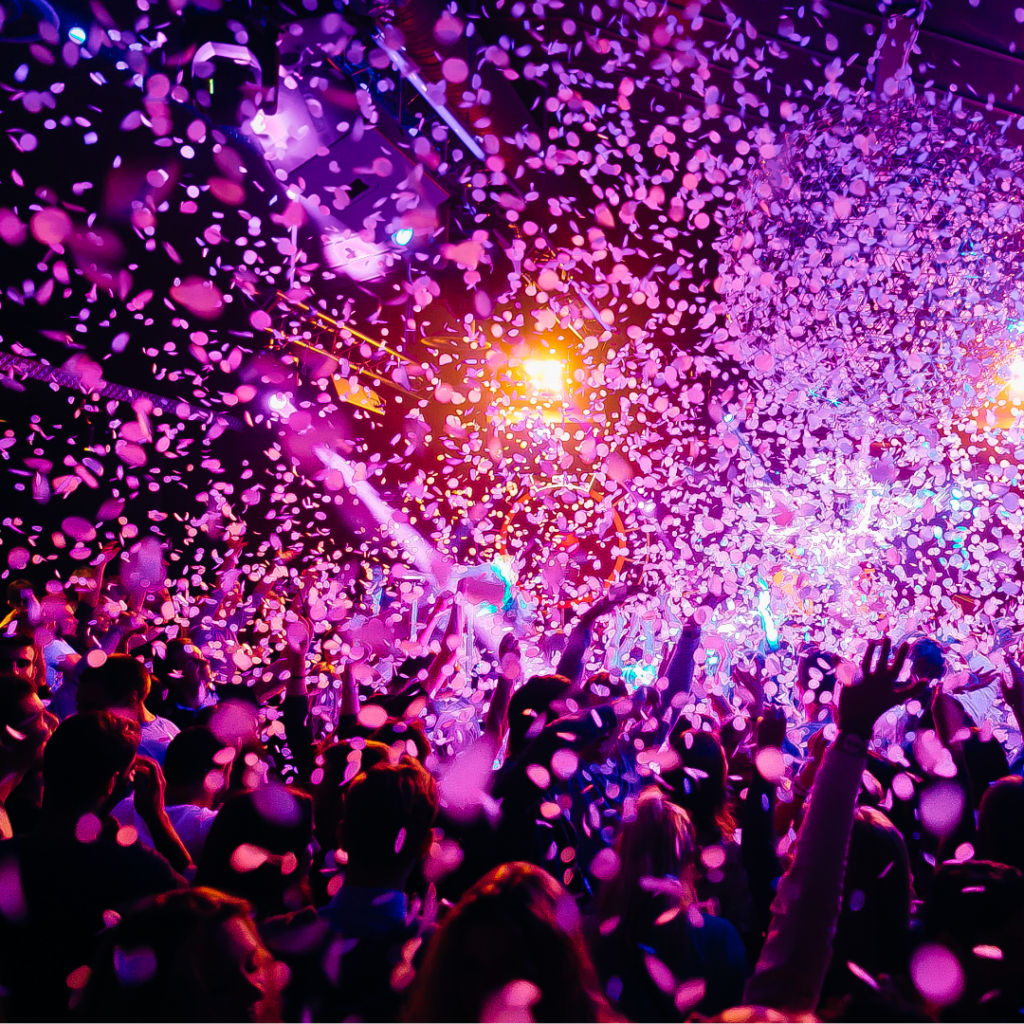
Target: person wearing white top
pixel 195 781
pixel 121 685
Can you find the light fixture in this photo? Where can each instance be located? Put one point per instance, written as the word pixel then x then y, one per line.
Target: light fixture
pixel 545 375
pixel 402 237
pixel 412 75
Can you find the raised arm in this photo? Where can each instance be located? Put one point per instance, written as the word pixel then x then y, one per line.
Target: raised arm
pixel 1012 686
pixel 436 670
pixel 798 949
pixel 510 671
pixel 149 803
pixel 570 664
pixel 295 710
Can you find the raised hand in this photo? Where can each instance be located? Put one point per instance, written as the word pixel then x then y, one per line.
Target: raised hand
pixel 861 704
pixel 612 599
pixel 1012 687
pixel 510 657
pixel 753 683
pixel 149 787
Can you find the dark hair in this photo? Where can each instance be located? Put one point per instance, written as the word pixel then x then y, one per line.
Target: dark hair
pixel 531 700
pixel 14 691
pixel 703 791
pixel 84 754
pixel 165 667
pixel 927 660
pixel 276 821
pixel 658 843
pixel 14 589
pixel 1001 822
pixel 516 924
pixel 122 678
pixel 979 903
pixel 970 898
pixel 19 640
pixel 164 961
pixel 873 926
pixel 380 805
pixel 397 730
pixel 190 756
pixel 338 773
pixel 602 689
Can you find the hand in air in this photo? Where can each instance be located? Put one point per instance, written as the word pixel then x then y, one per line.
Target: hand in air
pixel 861 704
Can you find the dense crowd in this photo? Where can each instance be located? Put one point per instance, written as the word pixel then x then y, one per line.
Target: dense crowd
pixel 193 833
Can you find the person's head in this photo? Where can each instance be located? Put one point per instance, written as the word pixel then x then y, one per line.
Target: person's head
pixel 340 763
pixel 23 726
pixel 59 613
pixel 190 767
pixel 258 849
pixel 184 670
pixel 19 593
pixel 84 759
pixel 408 736
pixel 20 656
pixel 974 904
pixel 700 784
pixel 603 689
pixel 986 762
pixel 875 918
pixel 120 684
pixel 1001 822
pixel 530 708
pixel 927 661
pixel 387 822
pixel 516 925
pixel 187 955
pixel 659 843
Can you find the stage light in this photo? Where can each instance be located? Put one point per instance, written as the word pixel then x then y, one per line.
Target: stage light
pixel 1016 374
pixel 402 237
pixel 77 35
pixel 545 375
pixel 280 402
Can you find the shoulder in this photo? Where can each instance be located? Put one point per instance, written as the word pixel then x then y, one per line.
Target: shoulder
pixel 148 869
pixel 161 725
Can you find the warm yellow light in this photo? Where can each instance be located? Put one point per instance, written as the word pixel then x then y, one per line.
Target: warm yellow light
pixel 545 374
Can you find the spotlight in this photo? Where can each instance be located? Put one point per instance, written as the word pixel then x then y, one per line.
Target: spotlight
pixel 545 375
pixel 280 402
pixel 402 237
pixel 1016 373
pixel 77 35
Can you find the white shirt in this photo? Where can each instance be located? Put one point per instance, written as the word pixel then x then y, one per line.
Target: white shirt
pixel 53 654
pixel 156 736
pixel 190 822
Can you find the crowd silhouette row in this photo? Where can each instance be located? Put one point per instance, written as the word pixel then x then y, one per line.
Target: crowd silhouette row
pixel 190 836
